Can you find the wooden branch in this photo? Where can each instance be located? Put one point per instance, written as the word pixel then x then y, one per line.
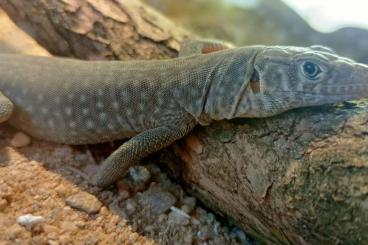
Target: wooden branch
pixel 97 29
pixel 298 178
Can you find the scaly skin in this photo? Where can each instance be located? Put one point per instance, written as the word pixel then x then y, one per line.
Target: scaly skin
pixel 157 102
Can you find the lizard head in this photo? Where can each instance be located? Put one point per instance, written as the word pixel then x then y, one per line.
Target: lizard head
pixel 289 77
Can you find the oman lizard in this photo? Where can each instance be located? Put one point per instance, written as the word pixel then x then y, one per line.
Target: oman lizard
pixel 157 102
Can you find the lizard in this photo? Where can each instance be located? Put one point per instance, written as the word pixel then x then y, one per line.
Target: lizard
pixel 156 102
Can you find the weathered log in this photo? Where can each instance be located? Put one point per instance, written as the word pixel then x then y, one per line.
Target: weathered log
pixel 96 29
pixel 297 178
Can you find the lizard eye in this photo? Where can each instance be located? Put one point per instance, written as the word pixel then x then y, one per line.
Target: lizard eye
pixel 311 70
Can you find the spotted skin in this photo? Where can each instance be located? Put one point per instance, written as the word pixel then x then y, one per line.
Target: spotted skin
pixel 157 102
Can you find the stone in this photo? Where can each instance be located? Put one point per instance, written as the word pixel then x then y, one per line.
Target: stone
pixel 139 176
pixel 156 200
pixel 177 216
pixel 20 140
pixel 85 202
pixel 29 220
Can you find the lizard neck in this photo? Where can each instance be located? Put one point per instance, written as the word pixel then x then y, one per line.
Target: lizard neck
pixel 211 86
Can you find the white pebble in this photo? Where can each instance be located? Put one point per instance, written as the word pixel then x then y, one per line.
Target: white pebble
pixel 179 212
pixel 30 220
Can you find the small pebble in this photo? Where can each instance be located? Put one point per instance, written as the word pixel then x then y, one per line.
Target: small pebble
pixel 156 200
pixel 210 218
pixel 201 214
pixel 61 190
pixel 205 233
pixel 239 234
pixel 133 238
pixel 140 176
pixel 130 206
pixel 186 209
pixel 20 140
pixel 161 218
pixel 188 237
pixel 29 220
pixel 195 221
pixel 84 202
pixel 179 212
pixel 123 186
pixel 190 202
pixel 52 242
pixel 3 204
pixel 177 216
pixel 216 228
pixel 69 226
pixel 50 229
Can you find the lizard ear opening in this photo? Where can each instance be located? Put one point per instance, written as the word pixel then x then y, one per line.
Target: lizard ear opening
pixel 255 86
pixel 255 83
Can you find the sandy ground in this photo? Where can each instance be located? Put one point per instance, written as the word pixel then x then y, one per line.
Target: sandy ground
pixel 46 199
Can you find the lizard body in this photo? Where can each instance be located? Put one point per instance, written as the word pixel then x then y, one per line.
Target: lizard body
pixel 157 102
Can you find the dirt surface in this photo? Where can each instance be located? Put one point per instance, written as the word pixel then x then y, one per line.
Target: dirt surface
pixel 26 187
pixel 45 198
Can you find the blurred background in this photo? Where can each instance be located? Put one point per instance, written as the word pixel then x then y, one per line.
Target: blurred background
pixel 341 25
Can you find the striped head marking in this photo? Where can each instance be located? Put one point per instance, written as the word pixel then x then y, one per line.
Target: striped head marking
pixel 291 77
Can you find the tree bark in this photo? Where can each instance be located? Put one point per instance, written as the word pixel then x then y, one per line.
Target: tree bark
pixel 297 178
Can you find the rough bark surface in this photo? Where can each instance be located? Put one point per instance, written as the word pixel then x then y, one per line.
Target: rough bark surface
pixel 298 178
pixel 96 29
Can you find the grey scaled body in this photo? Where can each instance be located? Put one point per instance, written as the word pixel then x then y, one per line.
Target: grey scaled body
pixel 157 102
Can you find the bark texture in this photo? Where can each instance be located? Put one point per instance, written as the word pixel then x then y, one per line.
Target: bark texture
pixel 96 29
pixel 298 178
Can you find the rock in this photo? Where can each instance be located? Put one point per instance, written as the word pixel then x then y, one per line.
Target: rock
pixel 139 176
pixel 195 221
pixel 62 191
pixel 156 200
pixel 20 140
pixel 115 207
pixel 133 238
pixel 161 218
pixel 50 229
pixel 240 235
pixel 188 237
pixel 69 226
pixel 130 206
pixel 85 202
pixel 186 209
pixel 205 233
pixel 201 215
pixel 210 218
pixel 179 217
pixel 123 186
pixel 29 220
pixel 123 194
pixel 190 202
pixel 52 242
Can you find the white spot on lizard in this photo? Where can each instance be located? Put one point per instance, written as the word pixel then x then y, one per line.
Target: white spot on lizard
pixel 68 110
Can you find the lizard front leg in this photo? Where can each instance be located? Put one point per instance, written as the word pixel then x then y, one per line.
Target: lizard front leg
pixel 141 145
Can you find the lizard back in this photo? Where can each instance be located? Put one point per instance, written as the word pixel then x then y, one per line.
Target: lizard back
pixel 77 102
